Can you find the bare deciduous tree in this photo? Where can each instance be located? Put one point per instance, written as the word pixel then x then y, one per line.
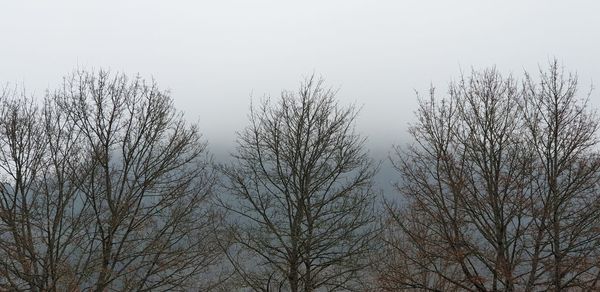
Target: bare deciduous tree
pixel 562 133
pixel 105 187
pixel 501 189
pixel 301 185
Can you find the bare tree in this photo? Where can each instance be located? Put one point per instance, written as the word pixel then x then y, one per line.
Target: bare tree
pixel 562 132
pixel 477 189
pixel 22 159
pixel 104 188
pixel 302 195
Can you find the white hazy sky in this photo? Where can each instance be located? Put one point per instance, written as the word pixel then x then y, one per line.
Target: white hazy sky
pixel 213 55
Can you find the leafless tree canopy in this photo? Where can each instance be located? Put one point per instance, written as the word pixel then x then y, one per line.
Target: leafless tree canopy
pixel 301 195
pixel 103 187
pixel 500 189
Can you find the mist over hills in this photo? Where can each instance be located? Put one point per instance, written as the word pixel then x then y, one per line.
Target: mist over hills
pixel 119 119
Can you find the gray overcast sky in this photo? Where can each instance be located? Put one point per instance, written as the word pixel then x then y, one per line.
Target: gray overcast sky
pixel 214 54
